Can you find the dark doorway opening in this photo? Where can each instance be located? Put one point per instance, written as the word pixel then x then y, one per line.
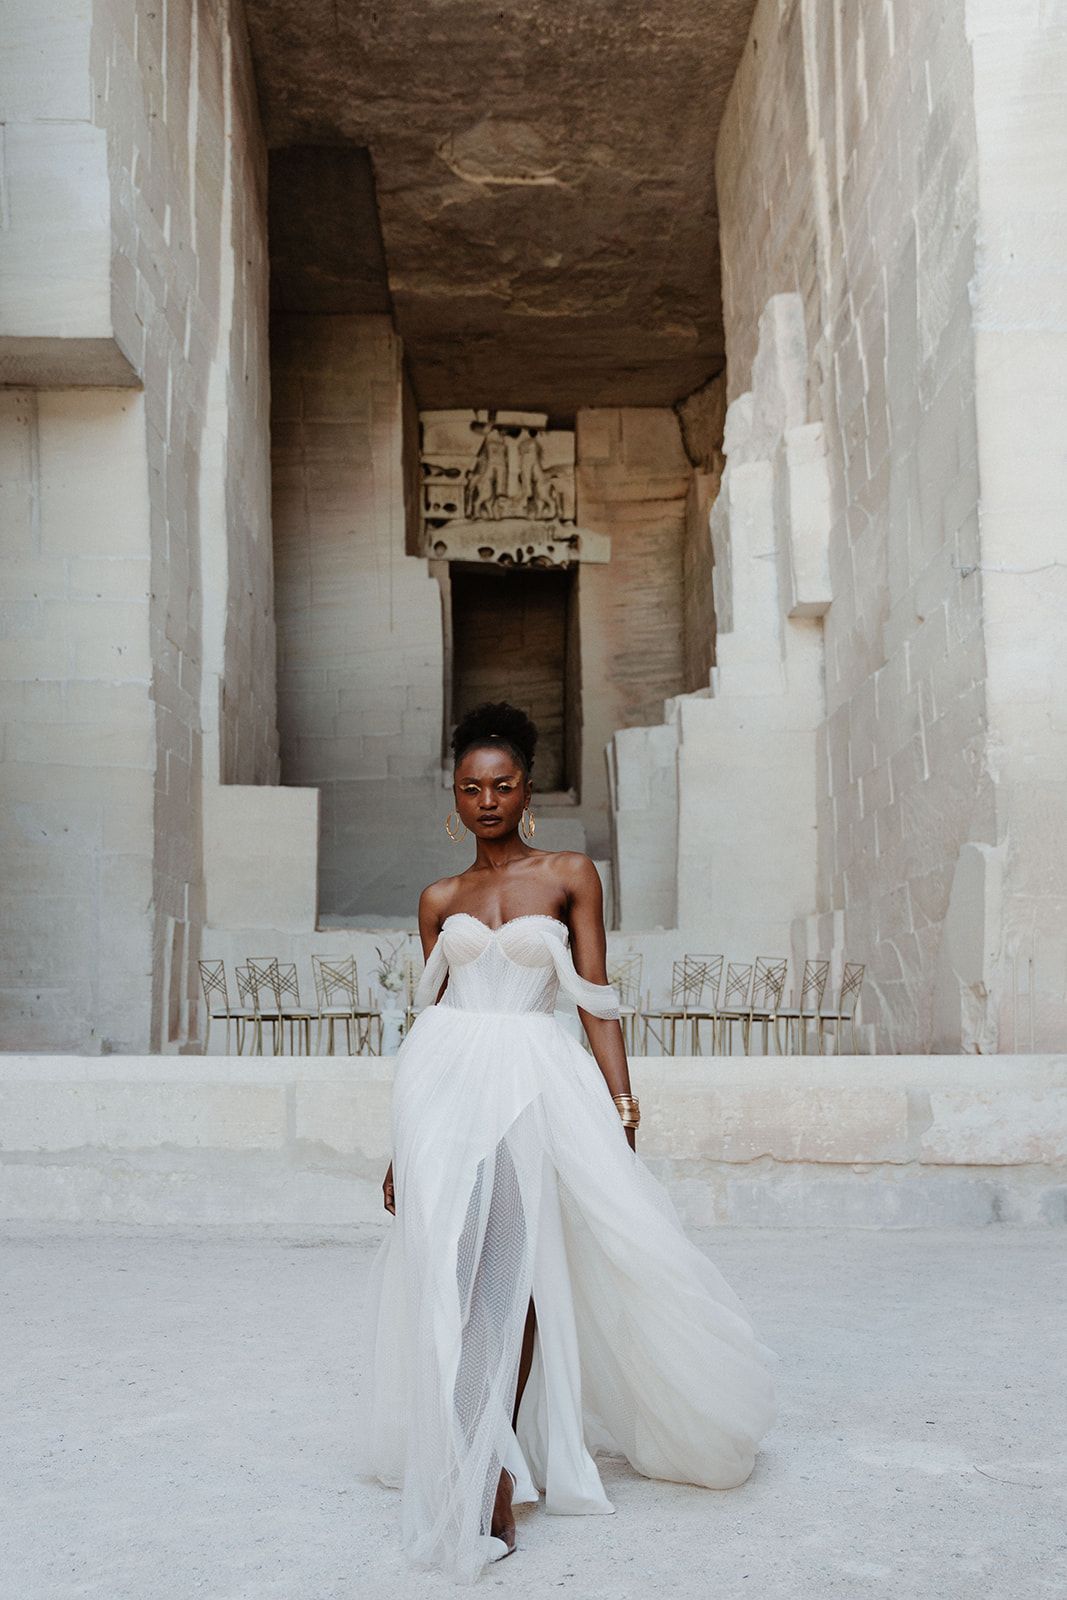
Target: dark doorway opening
pixel 515 637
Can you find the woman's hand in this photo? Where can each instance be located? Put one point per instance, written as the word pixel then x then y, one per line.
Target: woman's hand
pixel 388 1193
pixel 631 1138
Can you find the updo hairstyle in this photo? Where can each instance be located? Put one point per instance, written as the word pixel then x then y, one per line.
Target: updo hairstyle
pixel 498 726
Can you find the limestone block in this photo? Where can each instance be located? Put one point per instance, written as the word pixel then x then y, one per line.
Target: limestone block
pixel 44 68
pixel 55 279
pixel 261 856
pixel 779 373
pixel 644 797
pixel 94 490
pixel 350 1118
pixel 69 1116
pixel 789 1123
pixel 804 553
pixel 632 454
pixel 842 1201
pixel 988 1128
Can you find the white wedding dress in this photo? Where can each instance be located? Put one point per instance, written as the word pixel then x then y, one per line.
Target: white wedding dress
pixel 514 1179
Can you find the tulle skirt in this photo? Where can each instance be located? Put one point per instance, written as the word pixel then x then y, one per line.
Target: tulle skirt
pixel 514 1180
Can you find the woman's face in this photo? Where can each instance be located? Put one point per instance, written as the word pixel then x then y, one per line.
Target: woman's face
pixel 491 791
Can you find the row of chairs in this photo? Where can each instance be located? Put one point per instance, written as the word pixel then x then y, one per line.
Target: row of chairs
pixel 750 996
pixel 268 996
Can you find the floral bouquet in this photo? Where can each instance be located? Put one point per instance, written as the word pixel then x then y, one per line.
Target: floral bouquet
pixel 391 970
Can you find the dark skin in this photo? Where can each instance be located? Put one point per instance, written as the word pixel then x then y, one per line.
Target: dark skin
pixel 509 878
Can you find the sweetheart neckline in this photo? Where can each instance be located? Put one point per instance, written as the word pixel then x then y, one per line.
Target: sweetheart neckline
pixel 527 916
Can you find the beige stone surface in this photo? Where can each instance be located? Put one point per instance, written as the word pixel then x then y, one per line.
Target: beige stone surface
pixel 261 856
pixel 43 1117
pixel 799 1141
pixel 978 1127
pixel 139 650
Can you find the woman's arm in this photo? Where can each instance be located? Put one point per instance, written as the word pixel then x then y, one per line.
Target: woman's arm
pixel 589 950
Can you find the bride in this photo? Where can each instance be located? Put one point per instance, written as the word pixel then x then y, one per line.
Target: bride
pixel 536 1297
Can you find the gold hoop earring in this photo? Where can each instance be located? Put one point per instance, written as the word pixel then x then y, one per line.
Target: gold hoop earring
pixel 455 837
pixel 527 830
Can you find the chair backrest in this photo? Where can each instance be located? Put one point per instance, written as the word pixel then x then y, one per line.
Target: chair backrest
pixel 851 984
pixel 813 985
pixel 695 982
pixel 288 986
pixel 413 970
pixel 213 982
pixel 261 976
pixel 336 980
pixel 738 983
pixel 768 982
pixel 624 975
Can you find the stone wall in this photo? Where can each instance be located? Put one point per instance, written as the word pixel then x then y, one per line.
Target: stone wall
pixel 130 507
pixel 847 174
pixel 633 479
pixel 872 1143
pixel 1018 865
pixel 360 653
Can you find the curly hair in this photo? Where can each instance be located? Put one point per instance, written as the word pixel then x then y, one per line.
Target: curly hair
pixel 491 725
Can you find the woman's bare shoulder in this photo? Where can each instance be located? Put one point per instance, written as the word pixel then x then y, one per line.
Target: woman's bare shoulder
pixel 437 895
pixel 574 870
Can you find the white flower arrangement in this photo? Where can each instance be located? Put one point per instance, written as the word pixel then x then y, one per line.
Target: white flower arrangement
pixel 391 971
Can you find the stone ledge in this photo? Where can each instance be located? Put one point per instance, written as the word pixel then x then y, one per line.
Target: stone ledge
pixel 796 1141
pixel 58 363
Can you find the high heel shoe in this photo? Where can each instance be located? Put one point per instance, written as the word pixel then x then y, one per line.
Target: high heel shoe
pixel 505 1548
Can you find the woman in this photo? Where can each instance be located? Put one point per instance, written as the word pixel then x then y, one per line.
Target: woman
pixel 521 1207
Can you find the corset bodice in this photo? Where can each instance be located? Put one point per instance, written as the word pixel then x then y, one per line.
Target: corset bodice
pixel 517 968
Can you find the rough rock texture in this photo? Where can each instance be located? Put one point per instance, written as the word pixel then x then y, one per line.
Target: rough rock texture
pixel 544 178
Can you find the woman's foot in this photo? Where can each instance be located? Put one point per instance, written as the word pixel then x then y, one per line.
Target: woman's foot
pixel 503 1524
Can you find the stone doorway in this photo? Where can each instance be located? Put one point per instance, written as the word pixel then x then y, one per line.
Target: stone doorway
pixel 514 637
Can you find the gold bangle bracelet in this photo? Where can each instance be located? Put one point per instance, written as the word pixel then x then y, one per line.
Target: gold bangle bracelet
pixel 629 1109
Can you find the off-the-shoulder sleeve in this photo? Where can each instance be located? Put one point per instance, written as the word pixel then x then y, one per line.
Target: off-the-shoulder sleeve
pixel 433 976
pixel 599 999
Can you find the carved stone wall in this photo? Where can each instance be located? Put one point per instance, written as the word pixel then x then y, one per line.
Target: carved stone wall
pixel 498 486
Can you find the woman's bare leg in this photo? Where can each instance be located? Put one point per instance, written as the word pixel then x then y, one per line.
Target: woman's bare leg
pixel 525 1360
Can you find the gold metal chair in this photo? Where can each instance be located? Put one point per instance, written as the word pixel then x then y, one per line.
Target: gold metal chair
pixel 767 984
pixel 259 989
pixel 735 1003
pixel 213 982
pixel 624 975
pixel 694 999
pixel 798 1018
pixel 292 1012
pixel 337 996
pixel 847 1001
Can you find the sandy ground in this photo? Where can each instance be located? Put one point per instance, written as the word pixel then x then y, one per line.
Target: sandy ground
pixel 178 1420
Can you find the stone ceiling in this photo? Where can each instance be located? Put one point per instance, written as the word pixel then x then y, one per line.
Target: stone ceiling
pixel 544 178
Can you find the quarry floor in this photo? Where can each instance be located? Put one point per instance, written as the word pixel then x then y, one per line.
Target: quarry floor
pixel 178 1421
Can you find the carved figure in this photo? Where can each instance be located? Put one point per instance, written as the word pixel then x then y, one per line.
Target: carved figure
pixel 487 485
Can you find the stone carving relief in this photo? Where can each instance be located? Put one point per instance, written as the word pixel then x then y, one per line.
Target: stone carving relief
pixel 499 486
